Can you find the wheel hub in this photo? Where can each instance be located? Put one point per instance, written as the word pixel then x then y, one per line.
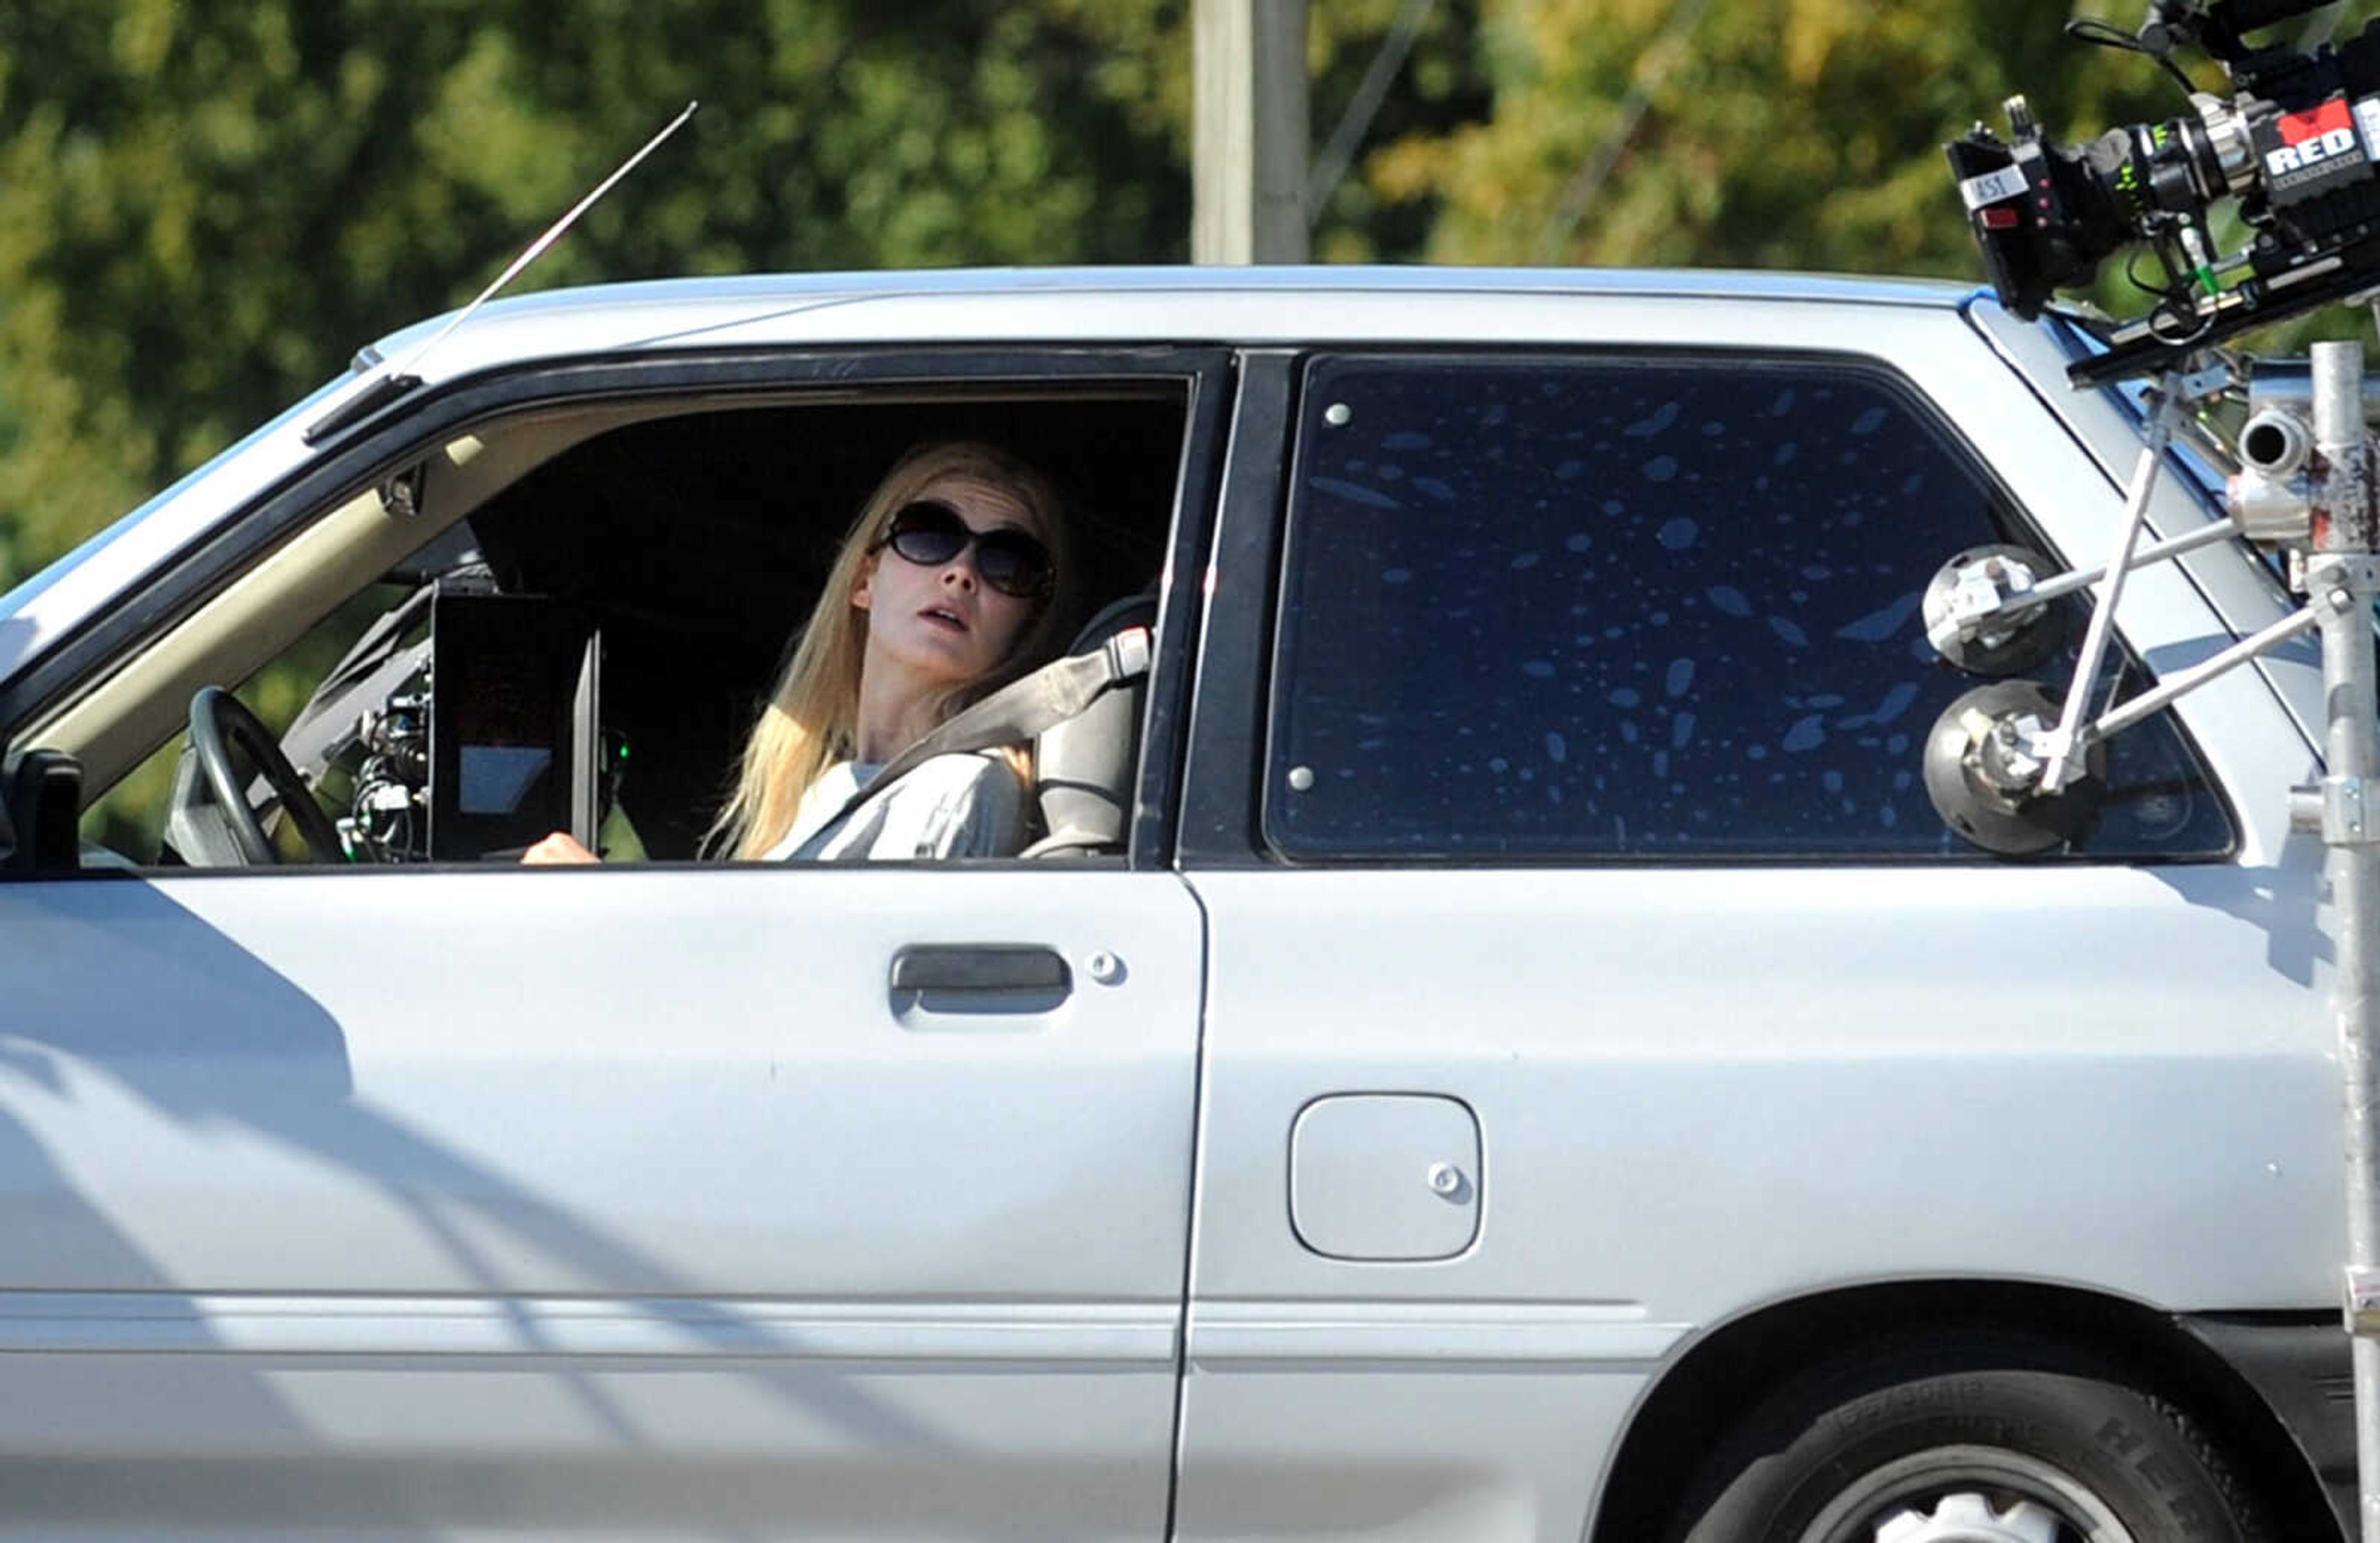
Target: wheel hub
pixel 1969 1518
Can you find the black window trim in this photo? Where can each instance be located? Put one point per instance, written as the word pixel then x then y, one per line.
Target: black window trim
pixel 1225 746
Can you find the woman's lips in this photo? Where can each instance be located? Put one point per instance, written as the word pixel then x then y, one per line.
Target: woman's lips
pixel 942 617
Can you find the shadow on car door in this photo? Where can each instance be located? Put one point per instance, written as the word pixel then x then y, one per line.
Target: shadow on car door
pixel 592 1200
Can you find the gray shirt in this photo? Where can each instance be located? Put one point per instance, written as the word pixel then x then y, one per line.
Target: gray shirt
pixel 962 805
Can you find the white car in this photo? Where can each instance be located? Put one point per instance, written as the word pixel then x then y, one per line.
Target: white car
pixel 1522 1059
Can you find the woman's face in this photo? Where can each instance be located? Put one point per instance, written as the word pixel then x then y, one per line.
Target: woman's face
pixel 942 625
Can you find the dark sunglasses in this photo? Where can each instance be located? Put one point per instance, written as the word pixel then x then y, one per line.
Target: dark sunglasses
pixel 930 533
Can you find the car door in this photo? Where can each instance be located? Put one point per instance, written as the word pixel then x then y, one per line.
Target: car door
pixel 632 1201
pixel 677 1200
pixel 1588 969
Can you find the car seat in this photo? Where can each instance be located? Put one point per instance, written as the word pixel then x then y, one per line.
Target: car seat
pixel 1085 767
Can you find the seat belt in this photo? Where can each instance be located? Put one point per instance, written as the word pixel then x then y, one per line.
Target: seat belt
pixel 1017 712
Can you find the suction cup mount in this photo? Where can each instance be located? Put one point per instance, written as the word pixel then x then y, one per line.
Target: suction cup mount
pixel 1982 614
pixel 1985 765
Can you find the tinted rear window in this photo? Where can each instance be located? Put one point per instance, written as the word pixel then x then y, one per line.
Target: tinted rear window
pixel 1635 607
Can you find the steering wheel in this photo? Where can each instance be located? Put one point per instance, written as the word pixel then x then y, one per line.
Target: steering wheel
pixel 218 721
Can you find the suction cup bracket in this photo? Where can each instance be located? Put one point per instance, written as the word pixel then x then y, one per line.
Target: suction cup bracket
pixel 1984 764
pixel 1982 614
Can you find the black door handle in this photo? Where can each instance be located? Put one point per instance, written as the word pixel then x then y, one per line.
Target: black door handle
pixel 1021 968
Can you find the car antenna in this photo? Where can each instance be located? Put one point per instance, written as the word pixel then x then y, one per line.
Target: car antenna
pixel 401 377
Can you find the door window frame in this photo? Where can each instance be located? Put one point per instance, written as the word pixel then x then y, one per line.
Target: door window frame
pixel 1231 749
pixel 370 451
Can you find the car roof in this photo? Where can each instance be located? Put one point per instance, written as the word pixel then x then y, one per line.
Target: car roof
pixel 1182 303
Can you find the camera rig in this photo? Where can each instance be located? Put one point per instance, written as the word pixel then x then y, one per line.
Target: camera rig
pixel 2297 143
pixel 2018 769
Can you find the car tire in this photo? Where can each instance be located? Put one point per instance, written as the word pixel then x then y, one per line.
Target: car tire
pixel 1990 1442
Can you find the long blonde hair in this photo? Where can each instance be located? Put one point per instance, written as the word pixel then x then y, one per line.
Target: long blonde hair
pixel 812 717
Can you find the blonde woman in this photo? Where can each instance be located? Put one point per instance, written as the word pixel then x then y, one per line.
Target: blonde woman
pixel 952 583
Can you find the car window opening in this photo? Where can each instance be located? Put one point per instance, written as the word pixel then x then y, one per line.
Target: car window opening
pixel 587 650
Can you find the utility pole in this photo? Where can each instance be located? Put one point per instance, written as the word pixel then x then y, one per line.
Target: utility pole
pixel 1248 144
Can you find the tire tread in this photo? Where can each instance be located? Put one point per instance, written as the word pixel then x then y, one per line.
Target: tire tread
pixel 1788 1418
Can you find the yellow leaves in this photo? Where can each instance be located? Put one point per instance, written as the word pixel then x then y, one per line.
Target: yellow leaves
pixel 1799 132
pixel 143 37
pixel 1813 29
pixel 1558 29
pixel 29 204
pixel 1411 169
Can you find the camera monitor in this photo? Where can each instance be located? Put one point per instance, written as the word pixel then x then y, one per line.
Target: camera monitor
pixel 514 728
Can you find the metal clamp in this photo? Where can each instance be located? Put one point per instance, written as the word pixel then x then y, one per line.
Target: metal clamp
pixel 2363 1301
pixel 2347 812
pixel 2343 572
pixel 2198 385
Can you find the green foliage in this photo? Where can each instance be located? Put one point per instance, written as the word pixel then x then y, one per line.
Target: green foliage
pixel 1761 133
pixel 205 209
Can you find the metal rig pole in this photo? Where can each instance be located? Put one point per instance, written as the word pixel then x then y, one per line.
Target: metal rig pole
pixel 2343 578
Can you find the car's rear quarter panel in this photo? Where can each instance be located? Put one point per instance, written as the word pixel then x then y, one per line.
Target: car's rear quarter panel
pixel 1708 1089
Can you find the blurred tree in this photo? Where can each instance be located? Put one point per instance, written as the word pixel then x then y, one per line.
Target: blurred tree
pixel 1440 85
pixel 205 210
pixel 1757 133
